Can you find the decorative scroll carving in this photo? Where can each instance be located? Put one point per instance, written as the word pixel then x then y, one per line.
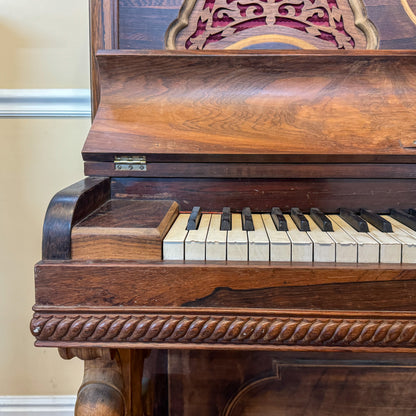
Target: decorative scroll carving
pixel 237 330
pixel 103 391
pixel 306 24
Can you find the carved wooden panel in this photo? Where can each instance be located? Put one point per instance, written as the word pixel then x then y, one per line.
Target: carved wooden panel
pixel 280 330
pixel 253 383
pixel 272 24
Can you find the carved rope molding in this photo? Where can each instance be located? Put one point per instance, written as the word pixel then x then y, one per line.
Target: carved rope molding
pixel 211 24
pixel 237 330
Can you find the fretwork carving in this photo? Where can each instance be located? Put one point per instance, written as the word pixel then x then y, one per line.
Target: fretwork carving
pixel 305 24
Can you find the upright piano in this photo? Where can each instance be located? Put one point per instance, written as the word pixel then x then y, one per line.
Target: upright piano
pixel 244 242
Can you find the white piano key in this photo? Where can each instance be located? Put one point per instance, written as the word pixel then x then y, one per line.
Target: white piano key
pixel 173 244
pixel 216 243
pixel 280 247
pixel 345 245
pixel 390 248
pixel 195 240
pixel 368 249
pixel 406 237
pixel 258 241
pixel 302 249
pixel 237 244
pixel 323 245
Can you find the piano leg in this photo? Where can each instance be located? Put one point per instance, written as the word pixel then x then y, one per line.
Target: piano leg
pixel 112 381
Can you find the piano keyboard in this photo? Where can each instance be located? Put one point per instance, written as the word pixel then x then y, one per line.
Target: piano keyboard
pixel 296 237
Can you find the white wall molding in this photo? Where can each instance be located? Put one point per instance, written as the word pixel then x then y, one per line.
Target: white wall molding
pixel 45 103
pixel 37 405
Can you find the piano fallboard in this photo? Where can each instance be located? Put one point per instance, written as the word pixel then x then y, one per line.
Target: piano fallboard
pixel 249 106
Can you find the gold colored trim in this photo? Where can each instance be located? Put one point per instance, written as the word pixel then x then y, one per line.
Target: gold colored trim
pixel 178 24
pixel 362 21
pixel 408 11
pixel 290 40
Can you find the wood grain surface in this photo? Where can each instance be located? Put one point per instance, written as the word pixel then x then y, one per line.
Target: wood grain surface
pixel 270 384
pixel 255 107
pixel 138 24
pixel 261 170
pixel 292 25
pixel 263 194
pixel 143 23
pixel 104 34
pixel 68 207
pixel 219 328
pixel 124 230
pixel 237 129
pixel 218 284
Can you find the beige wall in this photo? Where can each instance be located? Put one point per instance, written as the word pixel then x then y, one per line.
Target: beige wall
pixel 44 44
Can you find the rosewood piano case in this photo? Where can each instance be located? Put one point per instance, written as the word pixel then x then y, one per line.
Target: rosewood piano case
pixel 175 129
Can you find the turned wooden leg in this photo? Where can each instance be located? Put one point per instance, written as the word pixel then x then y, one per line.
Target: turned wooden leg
pixel 111 384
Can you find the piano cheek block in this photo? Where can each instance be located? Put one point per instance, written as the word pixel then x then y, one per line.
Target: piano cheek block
pixel 124 230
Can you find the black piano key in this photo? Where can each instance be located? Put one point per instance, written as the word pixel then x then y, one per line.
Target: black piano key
pixel 194 218
pixel 376 220
pixel 247 219
pixel 403 217
pixel 225 219
pixel 321 220
pixel 299 219
pixel 412 211
pixel 354 220
pixel 278 219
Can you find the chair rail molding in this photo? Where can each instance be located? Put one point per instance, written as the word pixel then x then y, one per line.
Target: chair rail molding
pixel 37 405
pixel 45 103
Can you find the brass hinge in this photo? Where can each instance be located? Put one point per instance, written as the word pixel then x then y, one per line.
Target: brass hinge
pixel 130 163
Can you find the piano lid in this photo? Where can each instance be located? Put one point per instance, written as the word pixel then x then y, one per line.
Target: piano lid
pixel 246 106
